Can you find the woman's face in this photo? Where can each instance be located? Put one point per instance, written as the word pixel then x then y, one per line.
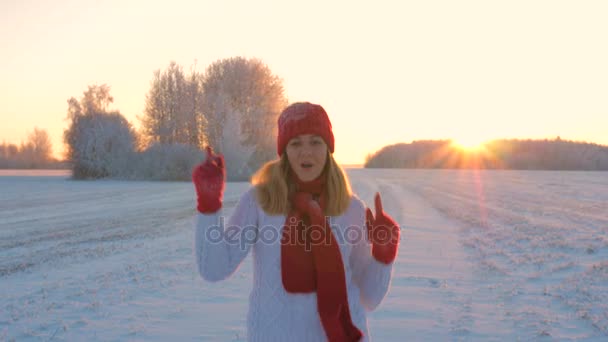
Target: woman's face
pixel 307 155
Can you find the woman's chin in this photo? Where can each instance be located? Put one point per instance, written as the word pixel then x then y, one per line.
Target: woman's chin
pixel 306 175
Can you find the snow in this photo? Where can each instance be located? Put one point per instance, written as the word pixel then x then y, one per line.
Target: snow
pixel 485 255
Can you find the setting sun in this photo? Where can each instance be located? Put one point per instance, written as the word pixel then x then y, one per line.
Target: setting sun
pixel 468 144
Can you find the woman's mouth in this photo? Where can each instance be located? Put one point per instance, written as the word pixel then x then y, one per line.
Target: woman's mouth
pixel 306 166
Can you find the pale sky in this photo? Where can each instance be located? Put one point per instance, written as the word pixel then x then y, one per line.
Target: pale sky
pixel 385 71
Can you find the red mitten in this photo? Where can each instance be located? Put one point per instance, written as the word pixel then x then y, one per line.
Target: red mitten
pixel 209 181
pixel 304 203
pixel 383 233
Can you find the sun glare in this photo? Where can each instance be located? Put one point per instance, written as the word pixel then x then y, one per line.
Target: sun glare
pixel 468 144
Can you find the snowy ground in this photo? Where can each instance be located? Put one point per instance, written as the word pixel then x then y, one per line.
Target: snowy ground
pixel 485 255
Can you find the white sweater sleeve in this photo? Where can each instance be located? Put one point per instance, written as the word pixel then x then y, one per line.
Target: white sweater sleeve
pixel 371 276
pixel 220 248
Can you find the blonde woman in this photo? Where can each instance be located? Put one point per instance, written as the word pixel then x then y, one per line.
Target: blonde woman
pixel 321 259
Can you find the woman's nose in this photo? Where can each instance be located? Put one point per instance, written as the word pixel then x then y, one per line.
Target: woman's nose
pixel 306 150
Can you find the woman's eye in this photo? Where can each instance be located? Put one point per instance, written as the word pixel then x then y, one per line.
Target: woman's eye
pixel 295 144
pixel 316 142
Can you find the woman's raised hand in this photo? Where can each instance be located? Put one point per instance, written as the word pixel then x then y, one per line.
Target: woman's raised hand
pixel 209 179
pixel 382 232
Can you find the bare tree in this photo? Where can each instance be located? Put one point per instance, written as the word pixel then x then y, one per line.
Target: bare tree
pixel 9 153
pixel 173 112
pixel 41 146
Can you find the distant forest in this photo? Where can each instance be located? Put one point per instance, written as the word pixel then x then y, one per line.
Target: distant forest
pixel 511 154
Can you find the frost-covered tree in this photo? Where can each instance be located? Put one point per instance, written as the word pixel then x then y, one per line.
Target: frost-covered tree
pixel 173 112
pixel 192 108
pixel 236 154
pixel 99 142
pixel 247 91
pixel 166 162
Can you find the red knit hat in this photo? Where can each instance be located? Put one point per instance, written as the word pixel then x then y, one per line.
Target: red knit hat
pixel 304 118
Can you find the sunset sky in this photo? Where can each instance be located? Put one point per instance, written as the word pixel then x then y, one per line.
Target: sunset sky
pixel 385 71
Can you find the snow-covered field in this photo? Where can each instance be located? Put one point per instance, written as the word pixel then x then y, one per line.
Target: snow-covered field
pixel 485 255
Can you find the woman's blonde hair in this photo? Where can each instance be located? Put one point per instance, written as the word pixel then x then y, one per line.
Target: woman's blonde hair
pixel 273 187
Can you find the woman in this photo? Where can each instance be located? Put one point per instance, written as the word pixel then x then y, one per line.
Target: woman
pixel 320 258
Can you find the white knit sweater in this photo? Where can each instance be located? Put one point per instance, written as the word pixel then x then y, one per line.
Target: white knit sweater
pixel 274 314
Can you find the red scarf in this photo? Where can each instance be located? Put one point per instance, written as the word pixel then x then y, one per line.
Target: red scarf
pixel 311 260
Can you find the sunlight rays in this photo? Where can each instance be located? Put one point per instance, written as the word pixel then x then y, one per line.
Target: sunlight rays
pixel 468 144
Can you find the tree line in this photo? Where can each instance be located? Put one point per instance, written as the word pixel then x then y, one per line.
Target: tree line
pixel 232 106
pixel 555 154
pixel 36 152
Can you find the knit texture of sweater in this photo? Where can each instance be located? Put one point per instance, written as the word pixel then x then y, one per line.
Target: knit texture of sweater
pixel 274 314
